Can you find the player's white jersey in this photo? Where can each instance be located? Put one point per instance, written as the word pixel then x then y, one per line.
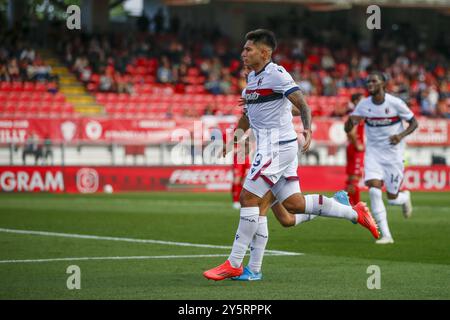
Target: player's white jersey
pixel 381 122
pixel 267 105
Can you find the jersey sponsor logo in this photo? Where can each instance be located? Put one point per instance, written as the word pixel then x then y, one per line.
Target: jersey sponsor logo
pixel 261 96
pixel 251 96
pixel 382 122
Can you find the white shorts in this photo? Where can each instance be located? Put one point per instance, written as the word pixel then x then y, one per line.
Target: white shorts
pixel 285 188
pixel 390 173
pixel 269 167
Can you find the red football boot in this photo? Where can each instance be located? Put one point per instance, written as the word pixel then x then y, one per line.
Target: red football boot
pixel 365 219
pixel 224 271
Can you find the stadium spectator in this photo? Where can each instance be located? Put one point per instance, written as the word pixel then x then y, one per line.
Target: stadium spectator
pixel 4 75
pixel 429 99
pixel 32 148
pixel 443 109
pixel 196 57
pixel 106 81
pixel 164 74
pixel 47 151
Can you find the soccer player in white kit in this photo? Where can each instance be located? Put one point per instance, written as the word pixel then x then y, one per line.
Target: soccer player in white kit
pixel 383 163
pixel 268 94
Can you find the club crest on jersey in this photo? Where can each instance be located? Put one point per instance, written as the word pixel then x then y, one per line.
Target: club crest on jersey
pixel 260 81
pixel 386 110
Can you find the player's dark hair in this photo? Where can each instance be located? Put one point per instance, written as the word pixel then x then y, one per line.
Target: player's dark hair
pixel 380 75
pixel 355 97
pixel 263 36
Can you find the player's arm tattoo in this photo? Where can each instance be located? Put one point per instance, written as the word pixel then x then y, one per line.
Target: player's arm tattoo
pixel 299 102
pixel 413 125
pixel 295 111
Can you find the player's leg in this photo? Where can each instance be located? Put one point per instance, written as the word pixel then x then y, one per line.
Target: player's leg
pixel 288 165
pixel 258 245
pixel 373 179
pixel 320 205
pixel 394 178
pixel 250 199
pixel 236 187
pixel 352 188
pixel 283 189
pixel 379 209
pixel 355 161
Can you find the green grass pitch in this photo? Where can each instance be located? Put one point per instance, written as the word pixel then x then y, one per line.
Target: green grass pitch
pixel 336 253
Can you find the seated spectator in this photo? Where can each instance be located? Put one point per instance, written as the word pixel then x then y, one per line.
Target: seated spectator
pixel 53 86
pixel 213 85
pixel 443 109
pixel 32 148
pixel 209 110
pixel 164 74
pixel 4 75
pixel 106 83
pixel 169 113
pixel 13 70
pixel 47 150
pixel 429 98
pixel 38 71
pixel 86 74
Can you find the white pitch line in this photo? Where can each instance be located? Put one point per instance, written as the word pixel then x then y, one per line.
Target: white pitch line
pixel 121 258
pixel 170 243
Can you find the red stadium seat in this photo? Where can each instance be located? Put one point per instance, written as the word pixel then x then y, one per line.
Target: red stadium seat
pixel 17 86
pixel 40 87
pixel 28 86
pixel 5 86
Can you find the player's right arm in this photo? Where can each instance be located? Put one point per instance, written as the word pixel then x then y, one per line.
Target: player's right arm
pixel 243 125
pixel 353 139
pixel 355 118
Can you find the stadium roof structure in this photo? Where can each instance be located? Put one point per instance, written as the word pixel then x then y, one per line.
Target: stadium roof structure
pixel 325 5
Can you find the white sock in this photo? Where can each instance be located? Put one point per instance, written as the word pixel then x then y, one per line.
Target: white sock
pixel 258 245
pixel 300 218
pixel 401 199
pixel 379 211
pixel 318 204
pixel 248 224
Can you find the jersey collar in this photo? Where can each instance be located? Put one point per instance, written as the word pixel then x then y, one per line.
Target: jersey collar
pixel 259 72
pixel 379 104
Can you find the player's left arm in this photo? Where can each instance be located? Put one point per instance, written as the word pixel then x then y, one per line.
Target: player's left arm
pixel 405 114
pixel 412 125
pixel 299 102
